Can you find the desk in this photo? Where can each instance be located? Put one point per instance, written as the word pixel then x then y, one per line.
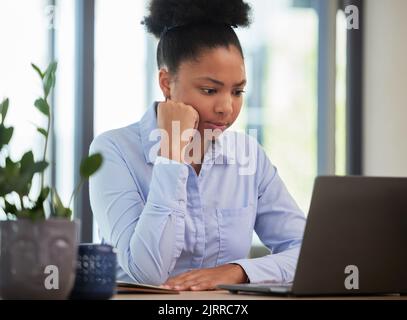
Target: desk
pixel 225 295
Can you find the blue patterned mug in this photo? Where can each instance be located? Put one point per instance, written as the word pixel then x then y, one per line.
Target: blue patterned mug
pixel 95 272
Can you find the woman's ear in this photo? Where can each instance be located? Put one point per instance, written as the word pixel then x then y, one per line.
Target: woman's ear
pixel 165 83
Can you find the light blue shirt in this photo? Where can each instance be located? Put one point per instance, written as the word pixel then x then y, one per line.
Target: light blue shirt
pixel 164 219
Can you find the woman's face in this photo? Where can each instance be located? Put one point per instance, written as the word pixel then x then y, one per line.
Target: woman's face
pixel 214 85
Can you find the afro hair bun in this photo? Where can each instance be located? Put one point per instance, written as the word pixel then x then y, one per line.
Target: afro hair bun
pixel 171 13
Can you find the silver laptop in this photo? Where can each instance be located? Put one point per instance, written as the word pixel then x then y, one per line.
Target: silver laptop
pixel 355 241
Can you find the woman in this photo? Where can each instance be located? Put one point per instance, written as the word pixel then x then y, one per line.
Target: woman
pixel 180 204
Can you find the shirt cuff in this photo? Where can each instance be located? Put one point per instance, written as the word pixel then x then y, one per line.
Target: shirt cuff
pixel 168 186
pixel 245 267
pixel 254 273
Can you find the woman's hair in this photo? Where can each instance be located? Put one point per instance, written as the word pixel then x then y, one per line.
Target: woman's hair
pixel 187 27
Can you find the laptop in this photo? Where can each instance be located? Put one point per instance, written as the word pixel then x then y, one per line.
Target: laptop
pixel 355 241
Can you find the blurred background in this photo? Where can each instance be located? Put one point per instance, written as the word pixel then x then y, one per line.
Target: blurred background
pixel 327 84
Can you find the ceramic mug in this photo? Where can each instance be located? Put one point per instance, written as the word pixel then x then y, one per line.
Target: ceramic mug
pixel 95 272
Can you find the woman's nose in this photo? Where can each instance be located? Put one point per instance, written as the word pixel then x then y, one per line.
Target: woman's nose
pixel 224 106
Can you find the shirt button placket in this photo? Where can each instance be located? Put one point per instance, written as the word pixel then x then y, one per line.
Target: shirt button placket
pixel 196 211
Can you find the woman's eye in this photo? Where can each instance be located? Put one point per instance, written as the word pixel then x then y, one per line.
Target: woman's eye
pixel 239 93
pixel 208 91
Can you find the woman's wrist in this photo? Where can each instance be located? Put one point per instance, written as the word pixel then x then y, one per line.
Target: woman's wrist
pixel 241 276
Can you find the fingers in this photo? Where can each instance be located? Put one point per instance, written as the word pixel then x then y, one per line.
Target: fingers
pixel 191 281
pixel 178 120
pixel 203 286
pixel 195 285
pixel 187 107
pixel 196 119
pixel 186 285
pixel 207 279
pixel 188 276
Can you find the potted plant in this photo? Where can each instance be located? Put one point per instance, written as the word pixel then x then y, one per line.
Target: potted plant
pixel 38 239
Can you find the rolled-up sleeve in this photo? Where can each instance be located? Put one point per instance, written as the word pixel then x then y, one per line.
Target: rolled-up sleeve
pixel 148 235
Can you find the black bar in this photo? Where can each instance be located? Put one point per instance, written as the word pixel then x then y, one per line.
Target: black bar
pixel 354 104
pixel 85 34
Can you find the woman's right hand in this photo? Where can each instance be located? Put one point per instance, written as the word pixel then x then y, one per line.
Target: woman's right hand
pixel 171 116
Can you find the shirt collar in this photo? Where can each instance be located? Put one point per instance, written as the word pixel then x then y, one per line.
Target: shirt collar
pixel 221 149
pixel 147 125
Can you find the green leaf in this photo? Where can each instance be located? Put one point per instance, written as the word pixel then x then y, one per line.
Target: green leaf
pixel 3 109
pixel 42 106
pixel 52 68
pixel 7 182
pixel 12 168
pixel 49 78
pixel 40 166
pixel 38 208
pixel 38 70
pixel 48 85
pixel 24 214
pixel 5 135
pixel 27 161
pixel 67 214
pixel 90 165
pixel 59 210
pixel 38 214
pixel 45 193
pixel 32 214
pixel 56 200
pixel 10 208
pixel 10 177
pixel 43 132
pixel 21 180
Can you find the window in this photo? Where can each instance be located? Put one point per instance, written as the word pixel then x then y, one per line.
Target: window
pixel 120 66
pixel 281 54
pixel 64 124
pixel 282 95
pixel 281 49
pixel 120 60
pixel 24 40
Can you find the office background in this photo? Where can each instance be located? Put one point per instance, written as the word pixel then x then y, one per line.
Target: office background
pixel 326 99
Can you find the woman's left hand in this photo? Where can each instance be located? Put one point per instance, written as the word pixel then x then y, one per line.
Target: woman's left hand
pixel 207 279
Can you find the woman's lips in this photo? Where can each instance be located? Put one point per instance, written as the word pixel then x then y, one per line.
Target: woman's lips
pixel 215 126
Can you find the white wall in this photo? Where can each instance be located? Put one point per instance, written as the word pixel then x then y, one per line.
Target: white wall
pixel 385 92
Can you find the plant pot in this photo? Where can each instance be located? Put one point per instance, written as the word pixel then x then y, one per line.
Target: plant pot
pixel 37 259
